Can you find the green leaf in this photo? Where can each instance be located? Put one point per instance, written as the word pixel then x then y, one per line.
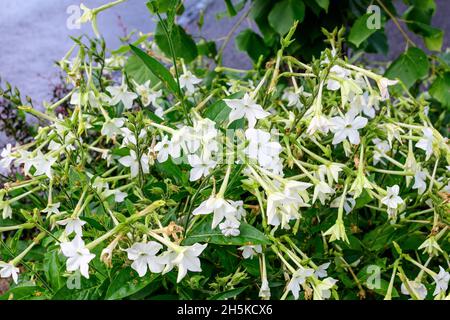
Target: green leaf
pixel 230 8
pixel 252 43
pixel 202 232
pixel 157 69
pixel 219 111
pixel 51 269
pixel 170 170
pixel 128 282
pixel 228 294
pixel 440 89
pixel 89 289
pixel 409 67
pixel 284 13
pixel 359 31
pixel 324 4
pixel 183 44
pixel 136 71
pixel 24 292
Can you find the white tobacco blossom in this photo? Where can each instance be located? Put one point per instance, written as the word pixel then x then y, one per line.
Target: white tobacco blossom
pixel 185 259
pixel 426 142
pixel 121 94
pixel 441 281
pixel 418 289
pixel 78 256
pixel 245 107
pixel 249 251
pixel 73 225
pixel 220 208
pixel 420 181
pixel 134 164
pixel 347 128
pixel 188 81
pixel 9 270
pixel 144 257
pixel 380 149
pixel 298 279
pixel 392 199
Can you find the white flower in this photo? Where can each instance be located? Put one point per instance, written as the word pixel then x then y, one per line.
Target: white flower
pixel 239 206
pixel 144 257
pixel 73 225
pixel 200 167
pixel 188 80
pixel 347 127
pixel 430 246
pixel 261 147
pixel 245 107
pixel 132 162
pixel 418 288
pixel 383 85
pixel 26 160
pixel 323 289
pixel 78 256
pixel 264 291
pixel 282 208
pixel 321 271
pixel 426 142
pixel 250 250
pixel 349 204
pixel 331 171
pixel 5 207
pixel 441 280
pixel 318 123
pixel 230 227
pixel 148 96
pixel 52 208
pixel 299 278
pixel 322 191
pixel 392 200
pixel 380 150
pixel 220 207
pixel 365 104
pixel 337 231
pixel 186 259
pixel 420 181
pixel 163 149
pixel 129 137
pixel 112 127
pixel 121 93
pixel 337 72
pixel 9 270
pixel 7 157
pixel 43 164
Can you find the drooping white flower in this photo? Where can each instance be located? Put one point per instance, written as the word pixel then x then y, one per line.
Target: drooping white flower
pixel 420 182
pixel 245 107
pixel 418 288
pixel 43 164
pixel 52 208
pixel 132 162
pixel 121 94
pixel 112 127
pixel 426 142
pixel 250 251
pixel 200 167
pixel 73 225
pixel 147 95
pixel 383 85
pixel 347 127
pixel 230 227
pixel 188 81
pixel 321 271
pixel 318 123
pixel 281 209
pixel 340 73
pixel 299 278
pixel 323 289
pixel 163 149
pixel 392 199
pixel 322 191
pixel 365 104
pixel 7 157
pixel 431 246
pixel 261 148
pixel 9 270
pixel 78 256
pixel 144 257
pixel 220 208
pixel 441 280
pixel 349 204
pixel 330 171
pixel 5 207
pixel 380 150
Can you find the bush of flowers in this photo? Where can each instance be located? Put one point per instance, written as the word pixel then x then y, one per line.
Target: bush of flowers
pixel 170 180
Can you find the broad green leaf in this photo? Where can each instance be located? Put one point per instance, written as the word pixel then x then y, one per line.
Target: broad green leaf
pixel 51 268
pixel 324 4
pixel 440 89
pixel 409 67
pixel 230 8
pixel 183 44
pixel 252 43
pixel 202 232
pixel 284 13
pixel 89 289
pixel 170 170
pixel 136 71
pixel 24 292
pixel 128 282
pixel 360 30
pixel 157 69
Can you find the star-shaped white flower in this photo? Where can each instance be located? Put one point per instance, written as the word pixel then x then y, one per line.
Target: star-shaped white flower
pixel 52 208
pixel 200 167
pixel 230 227
pixel 299 278
pixel 9 270
pixel 441 280
pixel 188 81
pixel 121 93
pixel 418 288
pixel 7 157
pixel 73 225
pixel 144 257
pixel 220 207
pixel 245 107
pixel 186 259
pixel 78 256
pixel 112 127
pixel 318 123
pixel 347 127
pixel 426 142
pixel 132 162
pixel 250 251
pixel 392 199
pixel 420 182
pixel 261 148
